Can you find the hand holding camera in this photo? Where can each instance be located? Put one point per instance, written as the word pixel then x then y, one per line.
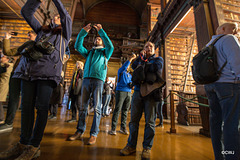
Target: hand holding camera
pixel 97 26
pixel 87 27
pixel 8 35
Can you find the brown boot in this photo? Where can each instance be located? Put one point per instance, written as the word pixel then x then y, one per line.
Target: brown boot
pixel 127 151
pixel 29 153
pixel 146 154
pixel 75 136
pixel 92 140
pixel 13 152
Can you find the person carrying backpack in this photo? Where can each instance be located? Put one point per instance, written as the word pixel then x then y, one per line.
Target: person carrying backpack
pixel 224 95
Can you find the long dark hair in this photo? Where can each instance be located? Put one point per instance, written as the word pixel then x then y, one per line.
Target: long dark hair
pixel 47 28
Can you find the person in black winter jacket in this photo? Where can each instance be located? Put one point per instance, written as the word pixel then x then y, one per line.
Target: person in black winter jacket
pixel 142 102
pixel 39 77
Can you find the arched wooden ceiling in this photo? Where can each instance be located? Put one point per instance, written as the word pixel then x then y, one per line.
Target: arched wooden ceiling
pixel 113 12
pixel 10 9
pixel 137 5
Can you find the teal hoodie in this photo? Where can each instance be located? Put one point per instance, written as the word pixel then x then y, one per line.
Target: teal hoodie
pixel 96 59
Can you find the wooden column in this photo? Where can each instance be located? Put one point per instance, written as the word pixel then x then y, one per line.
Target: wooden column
pixel 203 21
pixel 204 31
pixel 163 4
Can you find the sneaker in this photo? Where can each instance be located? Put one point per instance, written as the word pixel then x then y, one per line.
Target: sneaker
pixel 52 117
pixel 13 152
pixel 124 131
pixel 127 151
pixel 75 136
pixel 71 120
pixel 112 132
pixel 160 125
pixel 146 154
pixel 29 153
pixel 6 128
pixel 92 140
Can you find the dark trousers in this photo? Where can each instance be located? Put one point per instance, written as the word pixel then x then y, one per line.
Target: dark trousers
pixel 14 96
pixel 53 109
pixel 34 94
pixel 74 106
pixel 123 101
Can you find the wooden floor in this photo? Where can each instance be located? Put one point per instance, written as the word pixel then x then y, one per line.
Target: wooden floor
pixel 187 144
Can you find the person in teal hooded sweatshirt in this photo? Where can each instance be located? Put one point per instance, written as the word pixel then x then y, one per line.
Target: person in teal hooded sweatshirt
pixel 95 71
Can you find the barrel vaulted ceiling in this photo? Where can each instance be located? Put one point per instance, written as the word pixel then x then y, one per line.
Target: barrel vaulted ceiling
pixel 10 9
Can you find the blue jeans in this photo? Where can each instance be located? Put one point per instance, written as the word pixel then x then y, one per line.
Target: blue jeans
pixel 106 100
pixel 224 101
pixel 159 108
pixel 138 106
pixel 34 94
pixel 94 87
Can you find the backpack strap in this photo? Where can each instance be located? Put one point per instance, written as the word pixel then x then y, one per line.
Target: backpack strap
pixel 215 40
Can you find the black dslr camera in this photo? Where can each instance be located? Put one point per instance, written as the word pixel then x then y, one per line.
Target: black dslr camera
pixel 93 30
pixel 45 47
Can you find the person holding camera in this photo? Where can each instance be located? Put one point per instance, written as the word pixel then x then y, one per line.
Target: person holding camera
pixel 39 76
pixel 6 64
pixel 123 97
pixel 146 96
pixel 14 83
pixel 94 76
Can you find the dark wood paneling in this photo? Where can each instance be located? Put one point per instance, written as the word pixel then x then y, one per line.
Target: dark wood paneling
pixel 113 12
pixel 203 20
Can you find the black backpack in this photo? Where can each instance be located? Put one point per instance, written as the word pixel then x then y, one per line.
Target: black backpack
pixel 205 66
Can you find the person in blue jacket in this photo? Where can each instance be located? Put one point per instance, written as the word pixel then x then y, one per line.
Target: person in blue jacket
pixel 123 97
pixel 95 71
pixel 146 104
pixel 38 78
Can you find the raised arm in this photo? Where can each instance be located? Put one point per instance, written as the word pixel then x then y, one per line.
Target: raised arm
pixel 28 11
pixel 79 41
pixel 126 64
pixel 107 42
pixel 6 48
pixel 66 20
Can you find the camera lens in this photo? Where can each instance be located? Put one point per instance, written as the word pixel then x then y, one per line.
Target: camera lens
pixel 14 33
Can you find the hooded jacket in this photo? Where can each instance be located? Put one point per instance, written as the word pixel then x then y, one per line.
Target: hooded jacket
pixel 96 59
pixel 48 67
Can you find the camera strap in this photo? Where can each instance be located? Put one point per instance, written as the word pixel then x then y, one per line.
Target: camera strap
pixel 60 52
pixel 45 39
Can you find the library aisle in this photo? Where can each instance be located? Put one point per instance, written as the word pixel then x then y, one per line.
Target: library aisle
pixel 187 144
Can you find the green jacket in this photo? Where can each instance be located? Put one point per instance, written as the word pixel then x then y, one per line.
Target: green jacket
pixel 11 52
pixel 6 48
pixel 96 59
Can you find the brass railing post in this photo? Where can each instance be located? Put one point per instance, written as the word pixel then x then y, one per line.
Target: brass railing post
pixel 172 129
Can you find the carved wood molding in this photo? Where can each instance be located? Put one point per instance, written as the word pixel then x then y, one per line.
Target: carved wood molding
pixel 169 17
